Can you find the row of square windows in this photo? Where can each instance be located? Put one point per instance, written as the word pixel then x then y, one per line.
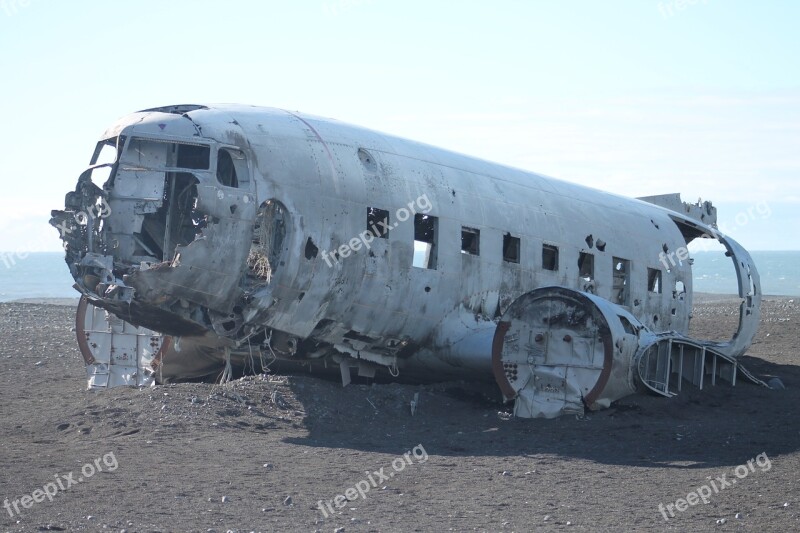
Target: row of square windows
pixel 426 228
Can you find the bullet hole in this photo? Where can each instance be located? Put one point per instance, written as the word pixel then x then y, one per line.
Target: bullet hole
pixel 233 208
pixel 300 298
pixel 589 240
pixel 427 289
pixel 311 249
pixel 654 223
pixel 601 245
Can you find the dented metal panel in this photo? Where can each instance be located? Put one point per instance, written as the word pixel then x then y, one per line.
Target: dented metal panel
pixel 117 353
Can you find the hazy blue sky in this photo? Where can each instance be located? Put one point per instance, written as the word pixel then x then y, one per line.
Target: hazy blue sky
pixel 637 97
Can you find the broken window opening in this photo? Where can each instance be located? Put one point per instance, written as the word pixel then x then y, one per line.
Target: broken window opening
pixel 586 266
pixel 231 167
pixel 191 156
pixel 157 154
pixel 426 229
pixel 654 280
pixel 105 153
pixel 679 291
pixel 378 222
pixel 626 325
pixel 470 241
pixel 269 235
pixel 175 222
pixel 619 289
pixel 549 257
pixel 311 249
pixel 511 246
pixel 100 175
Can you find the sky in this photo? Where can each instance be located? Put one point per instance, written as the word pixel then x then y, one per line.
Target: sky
pixel 636 97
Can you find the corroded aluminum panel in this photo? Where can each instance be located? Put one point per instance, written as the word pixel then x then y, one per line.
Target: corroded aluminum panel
pixel 117 353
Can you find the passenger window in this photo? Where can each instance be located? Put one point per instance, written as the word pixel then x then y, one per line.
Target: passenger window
pixel 426 229
pixel 586 266
pixel 654 280
pixel 619 291
pixel 470 241
pixel 510 248
pixel 549 257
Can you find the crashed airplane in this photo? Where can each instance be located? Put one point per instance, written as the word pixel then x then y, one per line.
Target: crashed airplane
pixel 209 238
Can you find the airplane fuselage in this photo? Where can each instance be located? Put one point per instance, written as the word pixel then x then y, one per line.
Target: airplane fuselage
pixel 320 240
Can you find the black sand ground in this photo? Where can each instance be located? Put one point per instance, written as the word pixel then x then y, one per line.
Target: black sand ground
pixel 259 454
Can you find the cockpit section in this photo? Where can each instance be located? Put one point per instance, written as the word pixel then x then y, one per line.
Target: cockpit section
pixel 167 218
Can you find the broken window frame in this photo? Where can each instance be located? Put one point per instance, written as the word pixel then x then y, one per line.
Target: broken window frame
pixel 679 290
pixel 192 156
pixel 165 228
pixel 586 266
pixel 620 286
pixel 241 172
pixel 378 220
pixel 101 170
pixel 170 162
pixel 470 241
pixel 270 236
pixel 100 150
pixel 654 280
pixel 426 234
pixel 550 257
pixel 511 244
pixel 180 222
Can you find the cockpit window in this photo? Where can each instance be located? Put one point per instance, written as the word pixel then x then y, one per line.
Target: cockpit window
pixel 163 154
pixel 105 152
pixel 193 156
pixel 226 173
pixel 231 168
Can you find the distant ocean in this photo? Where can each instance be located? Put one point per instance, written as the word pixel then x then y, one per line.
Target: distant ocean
pixel 779 272
pixel 45 275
